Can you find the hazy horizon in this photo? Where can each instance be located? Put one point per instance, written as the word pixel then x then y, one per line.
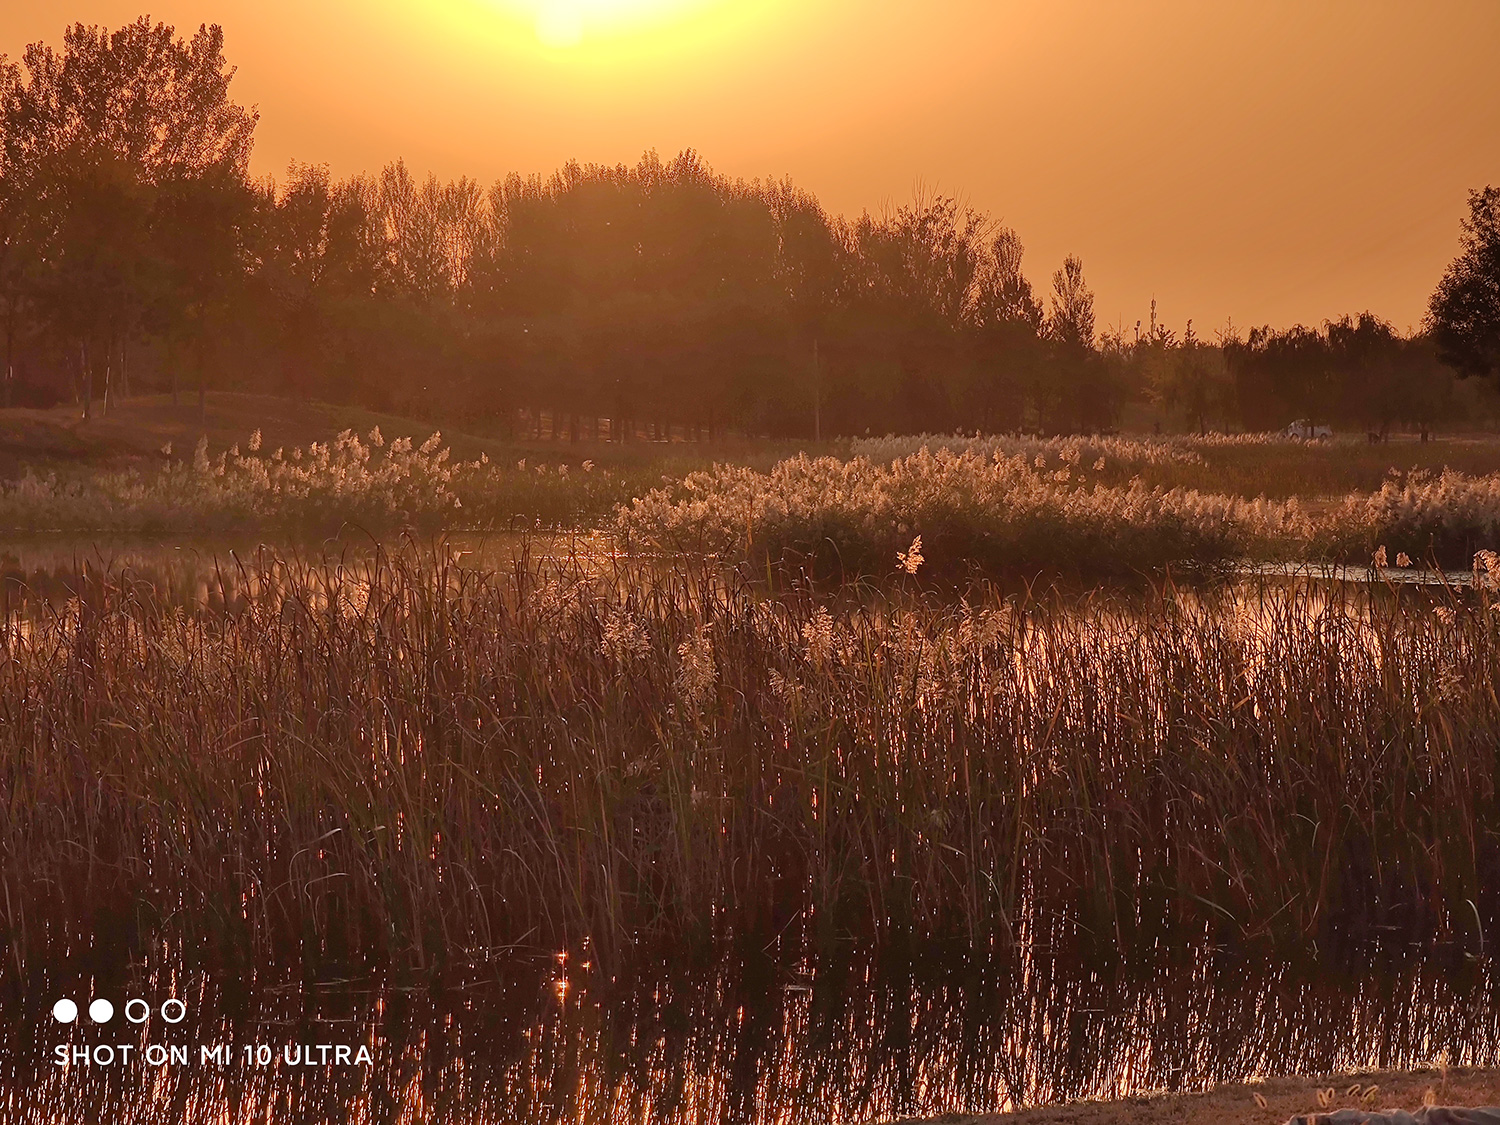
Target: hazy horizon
pixel 1264 162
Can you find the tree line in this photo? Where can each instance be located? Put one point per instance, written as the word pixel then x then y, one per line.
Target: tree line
pixel 137 253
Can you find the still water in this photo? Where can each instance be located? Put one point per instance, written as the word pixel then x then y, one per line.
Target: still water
pixel 219 573
pixel 741 1034
pixel 782 1028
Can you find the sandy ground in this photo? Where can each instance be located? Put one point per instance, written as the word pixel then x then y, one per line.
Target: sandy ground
pixel 1284 1098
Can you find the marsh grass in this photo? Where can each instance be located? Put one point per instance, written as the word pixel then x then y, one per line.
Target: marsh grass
pixel 366 482
pixel 994 512
pixel 352 480
pixel 985 505
pixel 987 513
pixel 1246 466
pixel 406 760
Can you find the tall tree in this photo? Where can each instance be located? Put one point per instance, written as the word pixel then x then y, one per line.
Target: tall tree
pixel 202 227
pixel 1083 394
pixel 1071 319
pixel 102 129
pixel 1464 314
pixel 1006 346
pixel 1194 381
pixel 18 243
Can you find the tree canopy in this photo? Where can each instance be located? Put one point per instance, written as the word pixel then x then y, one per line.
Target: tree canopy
pixel 1465 309
pixel 137 251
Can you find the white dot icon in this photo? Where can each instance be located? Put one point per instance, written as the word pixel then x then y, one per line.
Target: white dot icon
pixel 101 1011
pixel 65 1011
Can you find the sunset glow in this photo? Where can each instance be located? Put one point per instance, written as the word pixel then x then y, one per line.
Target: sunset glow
pixel 710 562
pixel 1238 160
pixel 599 30
pixel 569 23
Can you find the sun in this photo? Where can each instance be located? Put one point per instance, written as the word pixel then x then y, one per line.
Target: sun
pixel 595 38
pixel 562 24
pixel 559 23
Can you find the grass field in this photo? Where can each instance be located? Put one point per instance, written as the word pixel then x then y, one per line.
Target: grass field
pixel 134 432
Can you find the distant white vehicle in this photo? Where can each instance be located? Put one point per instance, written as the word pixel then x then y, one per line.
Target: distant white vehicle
pixel 1305 430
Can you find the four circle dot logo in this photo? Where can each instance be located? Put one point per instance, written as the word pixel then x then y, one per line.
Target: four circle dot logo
pixel 136 1011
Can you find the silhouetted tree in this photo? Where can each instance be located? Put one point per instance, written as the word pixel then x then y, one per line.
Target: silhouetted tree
pixel 19 244
pixel 96 135
pixel 660 296
pixel 1084 396
pixel 810 270
pixel 1356 370
pixel 1193 381
pixel 1071 319
pixel 203 224
pixel 1007 348
pixel 1464 313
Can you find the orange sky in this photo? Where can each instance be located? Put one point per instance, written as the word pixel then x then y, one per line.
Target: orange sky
pixel 1269 160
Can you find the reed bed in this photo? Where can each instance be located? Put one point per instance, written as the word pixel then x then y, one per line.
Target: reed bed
pixel 1004 513
pixel 367 482
pixel 994 513
pixel 1131 451
pixel 995 505
pixel 1447 517
pixel 1242 465
pixel 405 759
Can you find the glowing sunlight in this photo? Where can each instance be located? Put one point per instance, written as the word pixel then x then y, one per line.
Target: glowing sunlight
pixel 565 24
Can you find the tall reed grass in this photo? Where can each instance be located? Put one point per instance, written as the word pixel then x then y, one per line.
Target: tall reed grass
pixel 1122 450
pixel 1007 513
pixel 997 505
pixel 1243 465
pixel 1448 516
pixel 407 759
pixel 995 513
pixel 367 482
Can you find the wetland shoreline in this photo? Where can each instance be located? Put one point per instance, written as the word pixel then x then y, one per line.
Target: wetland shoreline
pixel 1285 1098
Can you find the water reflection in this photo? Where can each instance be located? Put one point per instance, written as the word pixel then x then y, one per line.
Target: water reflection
pixel 222 573
pixel 1338 572
pixel 744 1035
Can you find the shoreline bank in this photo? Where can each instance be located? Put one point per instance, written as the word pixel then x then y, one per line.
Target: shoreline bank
pixel 1236 1101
